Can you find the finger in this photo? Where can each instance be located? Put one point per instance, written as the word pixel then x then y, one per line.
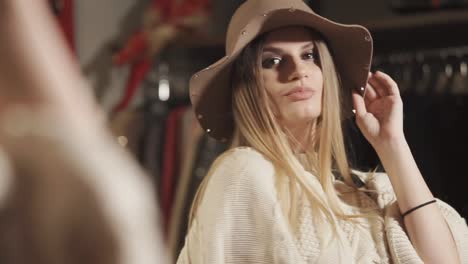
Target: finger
pixel 370 94
pixel 388 84
pixel 359 105
pixel 378 87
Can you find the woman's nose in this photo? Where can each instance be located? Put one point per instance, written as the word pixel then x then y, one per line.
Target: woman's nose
pixel 298 70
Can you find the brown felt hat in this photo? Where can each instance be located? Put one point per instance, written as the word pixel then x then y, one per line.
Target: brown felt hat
pixel 210 88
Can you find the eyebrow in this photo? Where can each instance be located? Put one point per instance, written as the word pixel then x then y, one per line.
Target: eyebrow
pixel 279 50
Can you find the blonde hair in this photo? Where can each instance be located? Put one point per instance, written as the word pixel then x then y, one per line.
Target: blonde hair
pixel 256 126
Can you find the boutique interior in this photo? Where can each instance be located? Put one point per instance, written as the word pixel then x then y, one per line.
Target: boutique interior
pixel 139 64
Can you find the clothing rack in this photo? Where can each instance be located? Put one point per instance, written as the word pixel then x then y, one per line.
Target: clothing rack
pixel 434 87
pixel 427 71
pixel 163 134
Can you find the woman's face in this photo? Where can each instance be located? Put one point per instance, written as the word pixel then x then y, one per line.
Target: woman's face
pixel 292 75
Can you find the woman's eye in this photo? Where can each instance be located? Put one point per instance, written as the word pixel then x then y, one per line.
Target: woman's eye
pixel 271 62
pixel 309 56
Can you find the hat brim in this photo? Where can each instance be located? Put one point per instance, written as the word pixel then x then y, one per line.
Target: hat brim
pixel 350 45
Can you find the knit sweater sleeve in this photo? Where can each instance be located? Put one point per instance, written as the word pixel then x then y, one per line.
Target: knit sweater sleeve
pixel 400 246
pixel 239 219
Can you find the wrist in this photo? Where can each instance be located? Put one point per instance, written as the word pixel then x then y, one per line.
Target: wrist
pixel 391 146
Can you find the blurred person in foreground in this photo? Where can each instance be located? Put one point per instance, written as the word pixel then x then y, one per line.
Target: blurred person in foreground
pixel 68 192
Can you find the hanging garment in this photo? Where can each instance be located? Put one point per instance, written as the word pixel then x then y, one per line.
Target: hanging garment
pixel 460 78
pixel 179 215
pixel 127 127
pixel 153 140
pixel 444 76
pixel 119 126
pixel 423 134
pixel 451 120
pixel 207 151
pixel 171 165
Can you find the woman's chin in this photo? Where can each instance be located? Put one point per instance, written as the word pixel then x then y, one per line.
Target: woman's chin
pixel 298 120
pixel 302 115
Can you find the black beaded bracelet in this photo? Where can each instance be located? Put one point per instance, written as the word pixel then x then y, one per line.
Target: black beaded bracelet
pixel 417 207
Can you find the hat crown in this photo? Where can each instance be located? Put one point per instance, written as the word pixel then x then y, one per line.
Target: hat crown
pixel 256 10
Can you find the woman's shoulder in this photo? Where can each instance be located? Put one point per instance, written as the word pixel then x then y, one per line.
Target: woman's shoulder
pixel 242 154
pixel 241 168
pixel 238 217
pixel 244 160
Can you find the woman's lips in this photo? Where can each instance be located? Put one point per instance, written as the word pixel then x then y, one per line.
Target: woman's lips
pixel 300 94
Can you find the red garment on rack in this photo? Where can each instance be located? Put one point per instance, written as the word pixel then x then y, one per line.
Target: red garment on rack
pixel 171 12
pixel 188 8
pixel 133 50
pixel 171 164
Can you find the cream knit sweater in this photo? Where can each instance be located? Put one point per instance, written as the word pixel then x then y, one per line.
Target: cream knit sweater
pixel 240 220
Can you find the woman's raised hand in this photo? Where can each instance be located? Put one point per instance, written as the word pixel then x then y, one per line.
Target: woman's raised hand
pixel 379 113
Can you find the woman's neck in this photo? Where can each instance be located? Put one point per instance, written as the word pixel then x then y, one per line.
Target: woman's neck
pixel 304 137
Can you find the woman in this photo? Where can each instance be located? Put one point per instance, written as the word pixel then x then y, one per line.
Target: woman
pixel 285 192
